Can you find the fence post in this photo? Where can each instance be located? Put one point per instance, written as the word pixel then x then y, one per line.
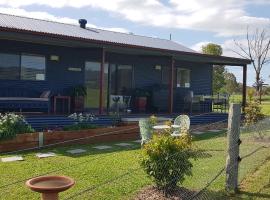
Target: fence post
pixel 233 147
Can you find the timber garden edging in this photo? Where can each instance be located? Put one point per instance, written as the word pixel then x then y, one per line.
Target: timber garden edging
pixel 90 136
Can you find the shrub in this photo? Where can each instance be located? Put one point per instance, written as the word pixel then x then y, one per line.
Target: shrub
pixel 76 127
pixel 81 122
pixel 167 160
pixel 252 113
pixel 12 124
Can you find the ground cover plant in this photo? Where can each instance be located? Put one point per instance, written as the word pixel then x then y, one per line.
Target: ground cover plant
pixel 12 124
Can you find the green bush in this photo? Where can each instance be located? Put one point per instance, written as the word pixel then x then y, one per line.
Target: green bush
pixel 167 160
pixel 77 127
pixel 12 124
pixel 253 113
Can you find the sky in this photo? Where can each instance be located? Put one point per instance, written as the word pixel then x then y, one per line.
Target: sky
pixel 192 23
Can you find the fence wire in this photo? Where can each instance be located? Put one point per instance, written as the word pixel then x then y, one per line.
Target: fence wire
pixel 129 181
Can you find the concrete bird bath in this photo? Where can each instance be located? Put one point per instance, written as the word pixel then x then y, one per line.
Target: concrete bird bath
pixel 50 186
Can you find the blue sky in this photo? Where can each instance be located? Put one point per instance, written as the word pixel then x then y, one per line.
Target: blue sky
pixel 191 23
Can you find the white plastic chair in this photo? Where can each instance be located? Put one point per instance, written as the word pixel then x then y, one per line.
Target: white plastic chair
pixel 184 122
pixel 145 131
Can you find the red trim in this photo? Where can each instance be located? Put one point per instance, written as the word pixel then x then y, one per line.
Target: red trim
pixel 245 61
pixel 101 82
pixel 171 87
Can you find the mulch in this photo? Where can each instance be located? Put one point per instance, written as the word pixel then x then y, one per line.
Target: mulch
pixel 152 193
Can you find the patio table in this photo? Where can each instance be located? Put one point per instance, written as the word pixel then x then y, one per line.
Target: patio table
pixel 161 127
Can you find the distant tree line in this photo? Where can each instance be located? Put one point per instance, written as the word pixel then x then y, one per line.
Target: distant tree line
pixel 223 81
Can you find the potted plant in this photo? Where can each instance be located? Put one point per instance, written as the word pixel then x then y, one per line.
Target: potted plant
pixel 141 96
pixel 78 93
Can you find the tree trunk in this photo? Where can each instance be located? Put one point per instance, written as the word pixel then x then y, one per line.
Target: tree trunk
pixel 258 90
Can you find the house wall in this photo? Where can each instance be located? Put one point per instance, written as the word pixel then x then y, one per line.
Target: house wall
pixel 201 82
pixel 59 79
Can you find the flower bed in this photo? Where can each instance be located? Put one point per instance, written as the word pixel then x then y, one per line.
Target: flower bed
pixel 98 135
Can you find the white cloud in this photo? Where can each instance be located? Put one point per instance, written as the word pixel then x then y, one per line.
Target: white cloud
pixel 224 18
pixel 198 46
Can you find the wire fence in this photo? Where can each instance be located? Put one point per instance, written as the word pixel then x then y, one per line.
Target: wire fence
pixel 117 174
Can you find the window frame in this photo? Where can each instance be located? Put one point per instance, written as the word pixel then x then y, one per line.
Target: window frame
pixel 20 65
pixel 177 78
pixel 37 55
pixel 18 54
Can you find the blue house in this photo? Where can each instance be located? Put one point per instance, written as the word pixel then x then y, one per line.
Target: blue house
pixel 42 62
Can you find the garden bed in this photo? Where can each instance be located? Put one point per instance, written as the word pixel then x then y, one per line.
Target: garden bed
pixel 97 135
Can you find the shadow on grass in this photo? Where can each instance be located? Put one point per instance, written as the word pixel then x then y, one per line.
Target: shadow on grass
pixel 208 135
pixel 250 195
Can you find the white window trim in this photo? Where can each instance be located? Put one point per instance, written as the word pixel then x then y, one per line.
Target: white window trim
pixel 182 69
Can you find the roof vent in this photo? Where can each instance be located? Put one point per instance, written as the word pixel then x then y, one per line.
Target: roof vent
pixel 82 23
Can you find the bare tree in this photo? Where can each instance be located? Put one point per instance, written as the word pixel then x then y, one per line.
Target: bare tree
pixel 257 50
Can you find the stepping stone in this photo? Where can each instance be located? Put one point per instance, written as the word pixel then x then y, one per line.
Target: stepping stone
pixel 137 141
pixel 45 155
pixel 102 147
pixel 123 144
pixel 76 151
pixel 214 131
pixel 198 132
pixel 12 159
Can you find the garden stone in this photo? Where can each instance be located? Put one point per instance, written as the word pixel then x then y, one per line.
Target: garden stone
pixel 198 132
pixel 45 155
pixel 12 159
pixel 102 147
pixel 214 130
pixel 123 144
pixel 76 151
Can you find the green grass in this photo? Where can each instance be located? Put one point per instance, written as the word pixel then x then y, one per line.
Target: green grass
pixel 265 105
pixel 100 168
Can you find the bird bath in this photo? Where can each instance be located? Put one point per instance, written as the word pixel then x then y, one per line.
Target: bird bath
pixel 50 186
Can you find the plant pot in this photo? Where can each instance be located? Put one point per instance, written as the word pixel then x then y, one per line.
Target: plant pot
pixel 140 103
pixel 78 104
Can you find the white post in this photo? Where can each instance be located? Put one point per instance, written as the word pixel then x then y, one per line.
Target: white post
pixel 40 139
pixel 233 147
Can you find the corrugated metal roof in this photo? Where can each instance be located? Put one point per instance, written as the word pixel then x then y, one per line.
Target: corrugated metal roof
pixel 56 28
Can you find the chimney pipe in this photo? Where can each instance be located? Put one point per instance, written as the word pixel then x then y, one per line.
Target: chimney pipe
pixel 82 23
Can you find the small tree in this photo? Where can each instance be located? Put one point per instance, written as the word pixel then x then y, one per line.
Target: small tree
pixel 231 83
pixel 167 160
pixel 253 110
pixel 257 50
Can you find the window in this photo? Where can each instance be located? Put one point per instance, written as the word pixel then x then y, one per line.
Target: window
pixel 121 79
pixel 182 77
pixel 24 67
pixel 32 67
pixel 9 66
pixel 92 84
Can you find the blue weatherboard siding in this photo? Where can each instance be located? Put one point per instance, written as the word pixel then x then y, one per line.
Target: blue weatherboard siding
pixel 59 79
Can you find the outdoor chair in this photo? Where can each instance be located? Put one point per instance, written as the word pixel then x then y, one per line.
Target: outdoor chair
pixel 145 131
pixel 184 122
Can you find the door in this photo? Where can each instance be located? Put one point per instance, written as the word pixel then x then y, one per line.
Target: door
pixel 92 84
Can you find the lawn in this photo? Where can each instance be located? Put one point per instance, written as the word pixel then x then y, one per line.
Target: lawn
pixel 265 105
pixel 116 173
